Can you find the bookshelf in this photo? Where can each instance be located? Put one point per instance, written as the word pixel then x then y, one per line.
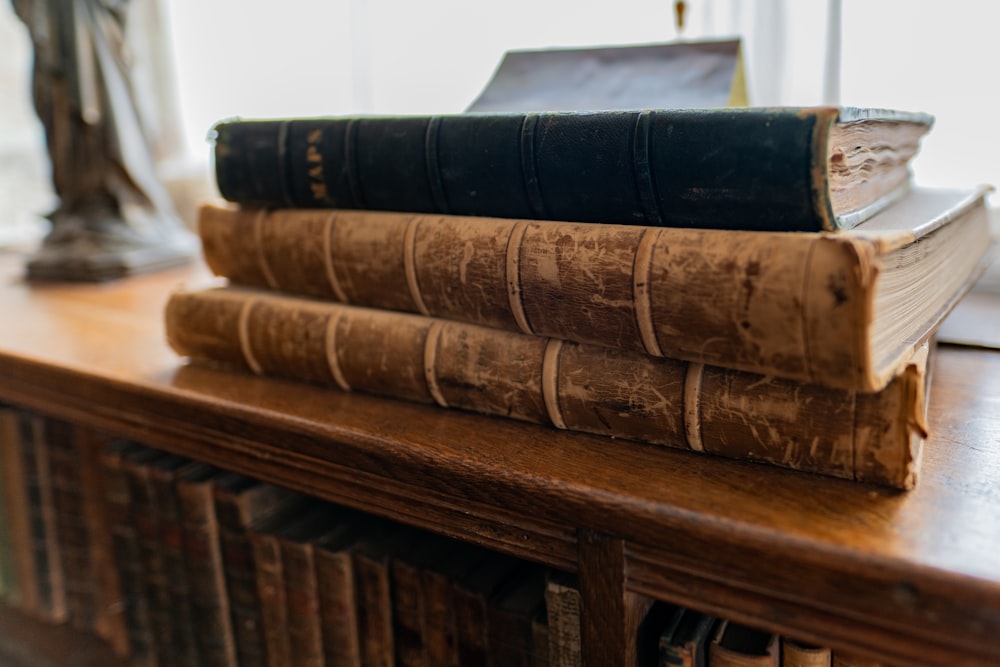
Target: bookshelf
pixel 909 578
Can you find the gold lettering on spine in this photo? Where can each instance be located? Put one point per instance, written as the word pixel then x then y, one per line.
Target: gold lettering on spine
pixel 314 162
pixel 243 328
pixel 550 382
pixel 642 295
pixel 409 262
pixel 332 362
pixel 430 362
pixel 692 406
pixel 331 273
pixel 258 232
pixel 513 268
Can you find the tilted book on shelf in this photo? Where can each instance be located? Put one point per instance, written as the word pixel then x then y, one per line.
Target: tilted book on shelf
pixel 695 74
pixel 864 436
pixel 845 310
pixel 750 168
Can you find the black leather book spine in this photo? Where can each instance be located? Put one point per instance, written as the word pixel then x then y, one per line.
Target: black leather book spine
pixel 726 168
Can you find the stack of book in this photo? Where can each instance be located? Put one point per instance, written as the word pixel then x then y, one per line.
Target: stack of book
pixel 760 284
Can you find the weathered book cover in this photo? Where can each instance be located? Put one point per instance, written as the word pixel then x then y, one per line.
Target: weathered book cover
pixel 109 603
pixel 126 548
pixel 562 605
pixel 183 630
pixel 437 580
pixel 147 520
pixel 242 503
pixel 736 645
pixel 373 555
pixel 22 590
pixel 842 310
pixel 511 615
pixel 42 514
pixel 79 580
pixel 8 577
pixel 265 549
pixel 870 437
pixel 204 567
pixel 338 602
pixel 414 571
pixel 792 169
pixel 297 542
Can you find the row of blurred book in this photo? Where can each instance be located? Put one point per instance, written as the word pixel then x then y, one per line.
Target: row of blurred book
pixel 176 562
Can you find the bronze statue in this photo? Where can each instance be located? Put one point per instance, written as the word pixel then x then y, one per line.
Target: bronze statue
pixel 114 216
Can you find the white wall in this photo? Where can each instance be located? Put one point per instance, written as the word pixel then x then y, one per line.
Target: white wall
pixel 257 58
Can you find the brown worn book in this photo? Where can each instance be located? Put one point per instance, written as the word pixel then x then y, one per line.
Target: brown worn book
pixel 126 548
pixel 9 585
pixel 409 605
pixel 242 504
pixel 184 631
pixel 373 555
pixel 109 618
pixel 14 487
pixel 147 520
pixel 797 654
pixel 65 462
pixel 416 615
pixel 297 542
pixel 45 546
pixel 562 605
pixel 437 579
pixel 203 567
pixel 736 645
pixel 871 437
pixel 337 598
pixel 840 309
pixel 265 548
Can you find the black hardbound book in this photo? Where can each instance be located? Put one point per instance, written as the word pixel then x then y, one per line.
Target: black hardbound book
pixel 771 169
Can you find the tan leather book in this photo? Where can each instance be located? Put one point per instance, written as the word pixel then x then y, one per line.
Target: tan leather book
pixel 843 309
pixel 873 437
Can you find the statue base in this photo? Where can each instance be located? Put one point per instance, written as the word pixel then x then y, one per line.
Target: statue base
pixel 109 253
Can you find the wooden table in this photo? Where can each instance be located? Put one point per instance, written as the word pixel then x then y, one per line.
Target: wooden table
pixel 913 578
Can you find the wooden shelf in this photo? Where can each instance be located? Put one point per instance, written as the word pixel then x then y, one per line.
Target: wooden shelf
pixel 908 577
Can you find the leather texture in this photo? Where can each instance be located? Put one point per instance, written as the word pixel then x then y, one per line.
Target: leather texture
pixel 722 168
